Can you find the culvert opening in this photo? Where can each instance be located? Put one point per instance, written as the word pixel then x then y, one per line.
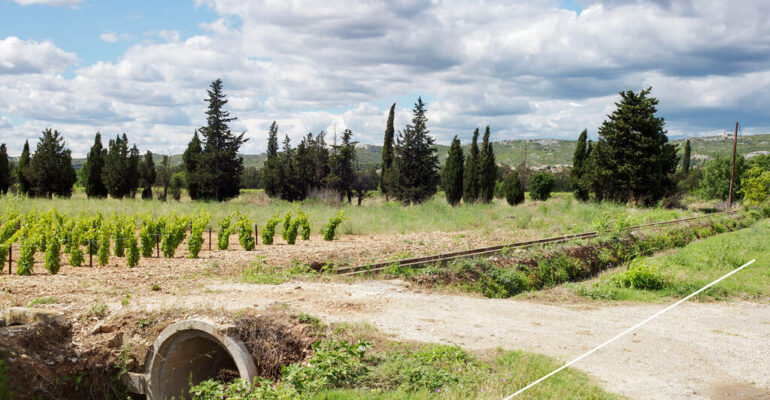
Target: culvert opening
pixel 191 357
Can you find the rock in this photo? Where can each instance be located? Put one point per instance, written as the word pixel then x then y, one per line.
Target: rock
pixel 25 316
pixel 101 328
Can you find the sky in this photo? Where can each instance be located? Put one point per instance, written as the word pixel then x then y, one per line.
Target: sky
pixel 529 69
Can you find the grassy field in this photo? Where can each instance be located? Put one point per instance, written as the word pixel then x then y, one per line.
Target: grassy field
pixel 688 269
pixel 561 214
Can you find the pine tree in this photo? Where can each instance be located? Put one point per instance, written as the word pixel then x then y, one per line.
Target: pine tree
pixel 163 177
pixel 134 176
pixel 453 173
pixel 386 180
pixel 120 165
pixel 471 172
pixel 5 170
pixel 147 175
pixel 686 157
pixel 416 162
pixel 271 167
pixel 191 159
pixel 579 160
pixel 341 173
pixel 50 167
pixel 633 160
pixel 287 172
pixel 92 169
pixel 487 170
pixel 22 171
pixel 220 166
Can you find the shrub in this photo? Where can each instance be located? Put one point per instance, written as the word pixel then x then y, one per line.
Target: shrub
pixel 304 222
pixel 333 364
pixel 756 185
pixel 513 189
pixel 120 240
pixel 541 186
pixel 174 232
pixel 53 254
pixel 331 227
pixel 286 224
pixel 268 232
pixel 26 260
pixel 103 253
pixel 500 283
pixel 715 183
pixel 262 389
pixel 291 233
pixel 638 276
pixel 195 242
pixel 245 233
pixel 150 233
pixel 132 255
pixel 223 236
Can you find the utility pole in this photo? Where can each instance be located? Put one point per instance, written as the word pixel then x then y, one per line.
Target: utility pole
pixel 732 174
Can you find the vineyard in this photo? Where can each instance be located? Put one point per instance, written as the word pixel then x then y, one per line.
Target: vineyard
pixel 88 239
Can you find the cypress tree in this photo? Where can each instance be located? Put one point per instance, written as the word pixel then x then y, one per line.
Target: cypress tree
pixel 191 159
pixel 487 170
pixel 341 172
pixel 92 170
pixel 287 172
pixel 163 177
pixel 5 170
pixel 579 160
pixel 386 180
pixel 453 173
pixel 416 162
pixel 686 157
pixel 471 172
pixel 22 171
pixel 148 175
pixel 220 167
pixel 117 171
pixel 50 167
pixel 633 160
pixel 134 176
pixel 271 166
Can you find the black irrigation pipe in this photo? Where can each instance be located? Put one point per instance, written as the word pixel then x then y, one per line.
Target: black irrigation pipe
pixel 420 262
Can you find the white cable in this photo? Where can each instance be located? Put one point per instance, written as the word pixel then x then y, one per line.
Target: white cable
pixel 627 331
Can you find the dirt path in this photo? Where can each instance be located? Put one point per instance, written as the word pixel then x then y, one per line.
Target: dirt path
pixel 696 351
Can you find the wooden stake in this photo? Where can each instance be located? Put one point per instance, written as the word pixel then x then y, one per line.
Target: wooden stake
pixel 157 247
pixel 732 174
pixel 10 257
pixel 209 239
pixel 90 255
pixel 256 235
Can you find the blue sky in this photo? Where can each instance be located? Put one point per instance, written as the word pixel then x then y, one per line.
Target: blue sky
pixel 529 69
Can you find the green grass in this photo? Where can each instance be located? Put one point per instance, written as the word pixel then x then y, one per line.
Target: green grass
pixel 43 301
pixel 694 266
pixel 559 215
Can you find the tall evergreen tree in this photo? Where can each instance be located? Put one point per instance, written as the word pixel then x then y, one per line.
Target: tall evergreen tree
pixel 163 177
pixel 579 160
pixel 220 167
pixel 22 171
pixel 134 176
pixel 487 170
pixel 271 167
pixel 92 170
pixel 416 162
pixel 5 170
pixel 50 167
pixel 342 174
pixel 119 173
pixel 288 172
pixel 147 175
pixel 686 157
pixel 191 159
pixel 386 180
pixel 471 172
pixel 633 160
pixel 453 173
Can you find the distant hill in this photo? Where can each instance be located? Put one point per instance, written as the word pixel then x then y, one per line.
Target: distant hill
pixel 541 152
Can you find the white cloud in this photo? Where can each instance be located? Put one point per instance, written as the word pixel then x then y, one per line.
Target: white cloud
pixel 31 57
pixel 528 69
pixel 112 37
pixel 58 3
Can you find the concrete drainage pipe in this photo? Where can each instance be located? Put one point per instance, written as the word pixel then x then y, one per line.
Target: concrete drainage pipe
pixel 191 349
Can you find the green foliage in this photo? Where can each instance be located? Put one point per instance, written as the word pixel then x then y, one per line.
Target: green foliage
pixel 513 189
pixel 5 170
pixel 387 180
pixel 633 160
pixel 199 224
pixel 150 234
pixel 471 171
pixel 5 382
pixel 271 167
pixel 132 254
pixel 541 186
pixel 120 236
pixel 686 157
pixel 756 185
pixel 331 227
pixel 103 253
pixel 286 224
pixel 120 173
pixel 304 222
pixel 174 232
pixel 245 229
pixel 22 171
pixel 487 170
pixel 223 235
pixel 341 173
pixel 147 175
pixel 715 183
pixel 26 261
pixel 416 163
pixel 291 232
pixel 92 169
pixel 268 232
pixel 191 159
pixel 333 364
pixel 638 275
pixel 453 173
pixel 579 160
pixel 176 184
pixel 432 367
pixel 239 389
pixel 53 254
pixel 50 171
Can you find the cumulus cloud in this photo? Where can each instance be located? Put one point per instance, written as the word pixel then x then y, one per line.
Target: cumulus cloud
pixel 31 57
pixel 528 69
pixel 58 3
pixel 112 37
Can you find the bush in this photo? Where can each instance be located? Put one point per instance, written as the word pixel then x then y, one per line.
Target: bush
pixel 331 227
pixel 174 232
pixel 756 185
pixel 27 249
pixel 103 253
pixel 195 242
pixel 541 186
pixel 245 233
pixel 268 232
pixel 286 225
pixel 132 254
pixel 513 189
pixel 291 233
pixel 304 222
pixel 223 236
pixel 333 364
pixel 638 276
pixel 261 389
pixel 149 234
pixel 53 255
pixel 715 183
pixel 176 185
